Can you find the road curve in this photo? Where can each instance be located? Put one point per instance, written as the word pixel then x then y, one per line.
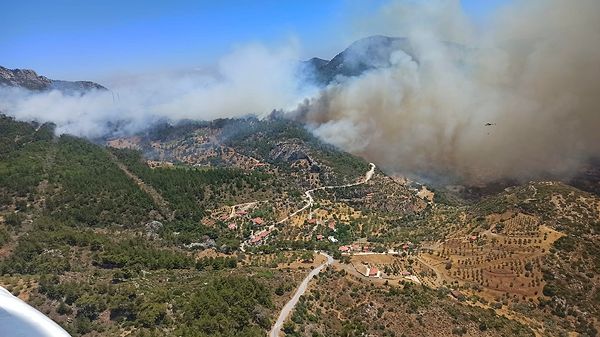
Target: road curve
pixel 309 198
pixel 289 306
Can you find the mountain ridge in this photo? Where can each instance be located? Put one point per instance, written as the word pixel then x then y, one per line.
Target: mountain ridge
pixel 368 53
pixel 30 80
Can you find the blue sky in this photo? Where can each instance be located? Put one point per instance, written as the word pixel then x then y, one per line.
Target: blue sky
pixel 85 39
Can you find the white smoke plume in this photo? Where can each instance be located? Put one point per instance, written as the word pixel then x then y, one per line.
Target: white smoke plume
pixel 534 74
pixel 252 79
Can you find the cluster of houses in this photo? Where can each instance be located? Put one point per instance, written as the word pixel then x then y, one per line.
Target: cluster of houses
pixel 354 248
pixel 242 216
pixel 260 236
pixel 226 216
pixel 330 225
pixel 258 221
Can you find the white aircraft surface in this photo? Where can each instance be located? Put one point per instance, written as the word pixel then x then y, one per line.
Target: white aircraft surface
pixel 18 319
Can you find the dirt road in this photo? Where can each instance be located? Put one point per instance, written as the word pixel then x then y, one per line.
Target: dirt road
pixel 289 306
pixel 309 198
pixel 159 201
pixel 309 201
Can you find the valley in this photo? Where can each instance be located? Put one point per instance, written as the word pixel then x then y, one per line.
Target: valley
pixel 164 236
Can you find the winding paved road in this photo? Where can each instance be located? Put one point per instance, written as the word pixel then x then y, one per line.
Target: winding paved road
pixel 289 306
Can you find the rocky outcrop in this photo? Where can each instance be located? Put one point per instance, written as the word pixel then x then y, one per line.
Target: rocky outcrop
pixel 76 86
pixel 290 151
pixel 30 80
pixel 24 78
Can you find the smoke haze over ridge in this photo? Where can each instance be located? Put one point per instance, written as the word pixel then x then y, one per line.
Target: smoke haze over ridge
pixel 236 87
pixel 533 71
pixel 534 74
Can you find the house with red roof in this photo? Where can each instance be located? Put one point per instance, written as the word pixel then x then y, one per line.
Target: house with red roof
pixel 258 221
pixel 259 237
pixel 319 237
pixel 232 226
pixel 372 272
pixel 331 225
pixel 344 249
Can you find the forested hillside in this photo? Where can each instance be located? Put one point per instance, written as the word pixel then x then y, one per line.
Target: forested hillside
pixel 205 229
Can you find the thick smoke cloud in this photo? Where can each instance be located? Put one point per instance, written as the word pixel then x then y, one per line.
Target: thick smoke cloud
pixel 251 80
pixel 535 74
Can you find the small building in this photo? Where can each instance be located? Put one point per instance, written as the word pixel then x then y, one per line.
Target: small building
pixel 319 237
pixel 232 226
pixel 241 213
pixel 332 239
pixel 258 221
pixel 372 272
pixel 331 225
pixel 457 294
pixel 344 249
pixel 259 237
pixel 312 221
pixel 473 237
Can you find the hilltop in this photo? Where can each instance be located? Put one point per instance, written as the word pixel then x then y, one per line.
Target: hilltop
pixel 30 80
pixel 369 53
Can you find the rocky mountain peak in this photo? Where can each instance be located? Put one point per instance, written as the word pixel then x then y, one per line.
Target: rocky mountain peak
pixel 30 80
